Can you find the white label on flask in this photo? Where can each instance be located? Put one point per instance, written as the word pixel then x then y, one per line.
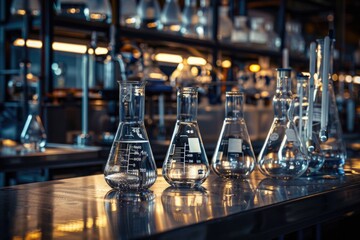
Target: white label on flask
pixel 317 114
pixel 194 145
pixel 219 156
pixel 290 134
pixel 150 13
pixel 235 145
pixel 274 137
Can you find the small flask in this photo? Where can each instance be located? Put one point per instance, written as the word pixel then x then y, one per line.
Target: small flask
pixel 225 24
pixel 302 122
pixel 149 13
pixel 234 156
pixel 128 14
pixel 170 20
pixel 186 163
pixel 283 154
pixel 131 166
pixel 189 19
pixel 240 33
pixel 204 26
pixel 33 135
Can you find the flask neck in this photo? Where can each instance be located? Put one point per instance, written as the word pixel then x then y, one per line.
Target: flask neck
pixel 320 59
pixel 283 97
pixel 234 105
pixel 132 101
pixel 302 86
pixel 187 104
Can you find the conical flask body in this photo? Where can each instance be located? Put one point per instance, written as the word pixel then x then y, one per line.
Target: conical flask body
pixel 186 163
pixel 234 156
pixel 33 136
pixel 283 154
pixel 131 165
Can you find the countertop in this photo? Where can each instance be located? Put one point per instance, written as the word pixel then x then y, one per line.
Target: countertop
pixel 87 208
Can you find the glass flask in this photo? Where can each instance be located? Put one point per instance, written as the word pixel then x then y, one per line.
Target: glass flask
pixel 240 33
pixel 225 24
pixel 204 26
pixel 99 10
pixel 149 13
pixel 257 33
pixel 283 154
pixel 186 163
pixel 234 156
pixel 334 147
pixel 128 14
pixel 170 17
pixel 302 122
pixel 274 41
pixel 189 19
pixel 33 135
pixel 131 166
pixel 22 7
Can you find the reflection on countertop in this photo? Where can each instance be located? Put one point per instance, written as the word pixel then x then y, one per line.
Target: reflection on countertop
pixel 87 208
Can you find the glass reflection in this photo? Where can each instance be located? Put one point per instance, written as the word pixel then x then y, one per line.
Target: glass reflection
pixel 129 218
pixel 234 194
pixel 270 191
pixel 185 205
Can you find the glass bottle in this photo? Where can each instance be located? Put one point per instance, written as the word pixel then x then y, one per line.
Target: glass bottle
pixel 128 14
pixel 225 24
pixel 283 154
pixel 234 156
pixel 170 17
pixel 257 33
pixel 240 33
pixel 204 26
pixel 189 19
pixel 334 147
pixel 301 120
pixel 149 13
pixel 186 163
pixel 33 135
pixel 130 166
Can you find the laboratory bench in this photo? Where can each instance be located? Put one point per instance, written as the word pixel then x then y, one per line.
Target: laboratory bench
pixel 256 208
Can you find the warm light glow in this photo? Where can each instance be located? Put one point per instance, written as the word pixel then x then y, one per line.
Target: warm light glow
pixel 348 78
pixel 131 20
pixel 198 61
pixel 167 57
pixel 21 12
pixel 194 71
pixel 226 64
pixel 305 73
pixel 341 77
pixel 175 28
pixel 356 79
pixel 60 46
pixel 335 77
pixel 254 67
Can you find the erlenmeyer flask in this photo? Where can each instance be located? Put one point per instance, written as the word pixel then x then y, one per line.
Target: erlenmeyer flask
pixel 283 154
pixel 186 163
pixel 170 17
pixel 334 147
pixel 189 19
pixel 301 120
pixel 33 135
pixel 22 7
pixel 204 26
pixel 234 156
pixel 149 13
pixel 128 14
pixel 131 166
pixel 99 10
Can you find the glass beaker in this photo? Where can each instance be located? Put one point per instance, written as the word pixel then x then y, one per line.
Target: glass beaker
pixel 131 166
pixel 186 163
pixel 234 156
pixel 283 154
pixel 334 147
pixel 301 120
pixel 33 135
pixel 99 10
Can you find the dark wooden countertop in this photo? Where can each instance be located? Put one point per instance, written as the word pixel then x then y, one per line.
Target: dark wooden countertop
pixel 87 208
